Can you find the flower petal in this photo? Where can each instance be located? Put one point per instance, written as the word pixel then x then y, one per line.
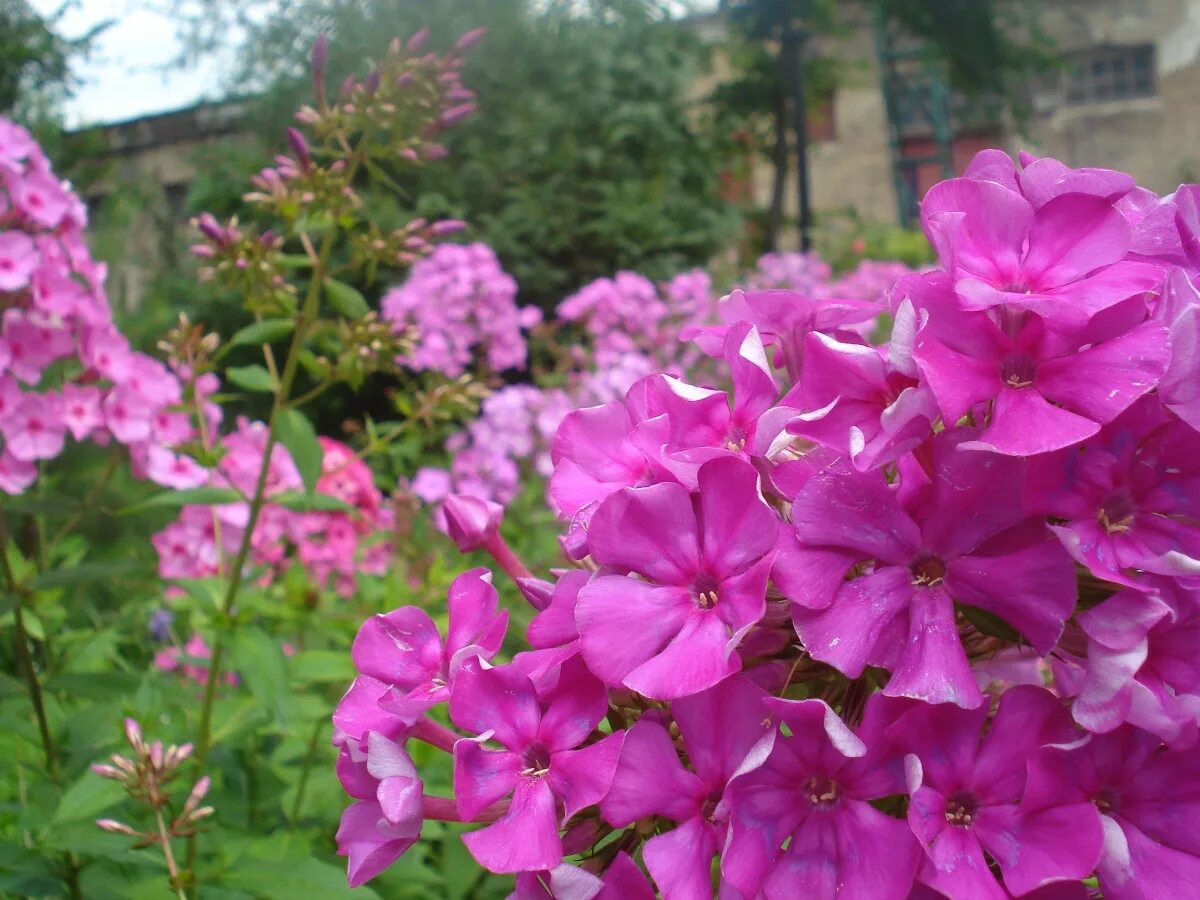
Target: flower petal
pixel 650 530
pixel 526 838
pixel 624 622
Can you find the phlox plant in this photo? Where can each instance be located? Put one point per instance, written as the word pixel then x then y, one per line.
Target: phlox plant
pixel 841 619
pixel 264 526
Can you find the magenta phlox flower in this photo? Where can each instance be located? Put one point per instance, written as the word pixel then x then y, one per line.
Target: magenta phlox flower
pixel 1187 221
pixel 719 727
pixel 1126 502
pixel 405 650
pixel 554 625
pixel 1047 385
pixel 1141 665
pixel 1179 310
pixel 595 454
pixel 1060 253
pixel 874 580
pixel 544 765
pixel 852 401
pixel 1148 798
pixel 783 318
pixel 703 564
pixel 622 880
pixel 801 823
pixel 386 820
pixel 968 798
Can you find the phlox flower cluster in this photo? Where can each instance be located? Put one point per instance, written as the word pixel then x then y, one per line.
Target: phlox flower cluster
pixel 65 368
pixel 333 545
pixel 873 622
pixel 458 303
pixel 807 273
pixel 630 328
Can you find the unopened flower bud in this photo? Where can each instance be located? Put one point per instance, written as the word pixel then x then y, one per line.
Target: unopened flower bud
pixel 457 113
pixel 537 591
pixel 471 521
pixel 417 41
pixel 133 734
pixel 319 56
pixel 115 827
pixel 210 227
pixel 300 147
pixel 470 39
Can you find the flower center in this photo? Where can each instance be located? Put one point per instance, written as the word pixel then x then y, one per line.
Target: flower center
pixel 928 571
pixel 1116 513
pixel 1107 801
pixel 822 790
pixel 1018 370
pixel 960 810
pixel 536 762
pixel 705 591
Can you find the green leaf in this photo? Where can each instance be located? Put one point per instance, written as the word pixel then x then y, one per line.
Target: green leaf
pixel 296 433
pixel 88 796
pixel 87 572
pixel 265 332
pixel 201 496
pixel 298 502
pixel 322 666
pixel 291 878
pixel 459 870
pixel 258 659
pixel 346 300
pixel 251 378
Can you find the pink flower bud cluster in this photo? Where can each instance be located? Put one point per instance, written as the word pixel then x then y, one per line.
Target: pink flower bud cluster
pixel 458 304
pixel 332 545
pixel 65 368
pixel 788 661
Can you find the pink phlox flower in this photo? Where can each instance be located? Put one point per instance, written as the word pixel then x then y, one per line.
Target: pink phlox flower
pixel 34 428
pixel 852 401
pixel 1046 244
pixel 703 564
pixel 1141 665
pixel 544 765
pixel 386 820
pixel 18 260
pixel 405 650
pixel 1046 386
pixel 1148 798
pixel 874 572
pixel 1127 501
pixel 968 797
pixel 719 727
pixel 801 822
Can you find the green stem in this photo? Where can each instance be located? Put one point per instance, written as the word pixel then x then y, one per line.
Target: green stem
pixel 25 664
pixel 165 840
pixel 304 319
pixel 310 756
pixel 114 460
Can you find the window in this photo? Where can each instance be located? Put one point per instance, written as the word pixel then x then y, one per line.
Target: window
pixel 1110 73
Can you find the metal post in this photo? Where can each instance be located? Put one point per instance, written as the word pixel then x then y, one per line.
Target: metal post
pixel 794 36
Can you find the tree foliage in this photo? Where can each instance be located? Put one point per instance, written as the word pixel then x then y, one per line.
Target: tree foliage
pixel 35 74
pixel 585 156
